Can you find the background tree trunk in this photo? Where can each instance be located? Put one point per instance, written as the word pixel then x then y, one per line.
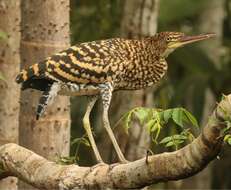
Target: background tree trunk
pixel 9 67
pixel 45 30
pixel 139 19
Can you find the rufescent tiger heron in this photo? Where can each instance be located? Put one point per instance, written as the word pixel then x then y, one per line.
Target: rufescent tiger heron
pixel 98 68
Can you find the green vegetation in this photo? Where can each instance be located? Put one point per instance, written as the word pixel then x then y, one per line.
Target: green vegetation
pixel 156 120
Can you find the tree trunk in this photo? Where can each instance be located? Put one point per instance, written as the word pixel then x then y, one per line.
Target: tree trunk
pixel 9 67
pixel 45 30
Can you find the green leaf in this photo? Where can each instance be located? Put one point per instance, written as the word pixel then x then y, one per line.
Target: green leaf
pixel 165 140
pixel 226 138
pixel 156 118
pixel 85 141
pixel 170 144
pixel 187 134
pixel 179 137
pixel 127 121
pixel 173 138
pixel 150 125
pixel 142 114
pixel 227 128
pixel 174 143
pixel 77 141
pixel 82 140
pixel 181 116
pixel 155 127
pixel 178 117
pixel 177 142
pixel 229 141
pixel 167 114
pixel 191 118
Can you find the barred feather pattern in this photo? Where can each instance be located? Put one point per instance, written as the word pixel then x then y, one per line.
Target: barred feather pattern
pixel 128 64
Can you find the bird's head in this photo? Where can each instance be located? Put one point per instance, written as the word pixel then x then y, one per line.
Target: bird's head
pixel 172 40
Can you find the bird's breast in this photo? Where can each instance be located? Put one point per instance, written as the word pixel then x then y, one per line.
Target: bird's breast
pixel 138 76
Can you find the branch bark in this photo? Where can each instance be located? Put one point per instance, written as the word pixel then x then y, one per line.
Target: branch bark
pixel 41 173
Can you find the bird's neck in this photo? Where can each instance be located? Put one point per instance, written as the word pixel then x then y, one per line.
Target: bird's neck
pixel 145 66
pixel 155 46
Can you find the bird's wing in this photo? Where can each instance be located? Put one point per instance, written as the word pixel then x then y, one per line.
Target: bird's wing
pixel 92 62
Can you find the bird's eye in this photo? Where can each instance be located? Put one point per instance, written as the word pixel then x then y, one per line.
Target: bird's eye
pixel 168 39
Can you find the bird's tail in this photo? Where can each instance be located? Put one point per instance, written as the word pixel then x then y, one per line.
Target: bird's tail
pixel 47 98
pixel 34 70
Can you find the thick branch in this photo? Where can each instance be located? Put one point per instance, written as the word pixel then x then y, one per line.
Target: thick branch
pixel 41 173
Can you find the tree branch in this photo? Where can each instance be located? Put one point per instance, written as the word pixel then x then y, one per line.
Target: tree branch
pixel 41 173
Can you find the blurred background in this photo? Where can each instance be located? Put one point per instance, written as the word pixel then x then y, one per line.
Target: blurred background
pixel 197 77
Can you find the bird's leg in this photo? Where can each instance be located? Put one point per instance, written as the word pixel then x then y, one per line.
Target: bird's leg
pixel 87 127
pixel 106 93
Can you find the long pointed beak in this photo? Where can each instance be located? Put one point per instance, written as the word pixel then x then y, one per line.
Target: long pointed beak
pixel 190 39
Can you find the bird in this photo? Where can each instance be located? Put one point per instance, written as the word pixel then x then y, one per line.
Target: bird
pixel 99 68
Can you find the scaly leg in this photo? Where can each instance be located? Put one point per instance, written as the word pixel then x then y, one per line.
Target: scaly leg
pixel 106 93
pixel 87 127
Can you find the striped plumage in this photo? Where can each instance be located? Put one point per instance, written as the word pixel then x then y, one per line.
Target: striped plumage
pixel 129 64
pixel 101 67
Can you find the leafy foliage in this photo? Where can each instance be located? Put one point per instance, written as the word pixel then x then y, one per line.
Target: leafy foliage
pixel 74 159
pixel 156 119
pixel 227 139
pixel 176 140
pixel 227 121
